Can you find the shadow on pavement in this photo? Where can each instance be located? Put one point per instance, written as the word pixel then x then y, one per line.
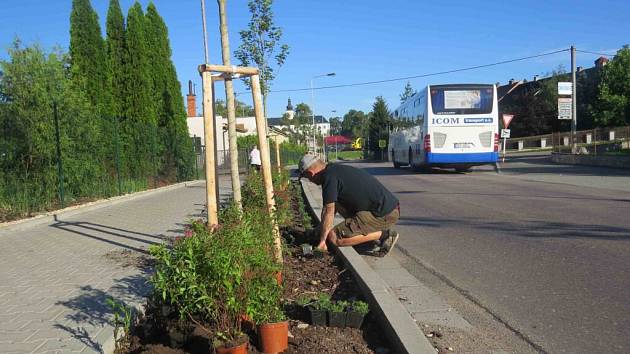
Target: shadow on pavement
pixel 100 232
pixel 90 308
pixel 537 229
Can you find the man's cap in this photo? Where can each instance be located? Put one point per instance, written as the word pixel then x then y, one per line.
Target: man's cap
pixel 307 161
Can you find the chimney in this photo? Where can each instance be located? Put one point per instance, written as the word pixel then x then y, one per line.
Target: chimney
pixel 601 62
pixel 511 82
pixel 535 77
pixel 579 69
pixel 191 101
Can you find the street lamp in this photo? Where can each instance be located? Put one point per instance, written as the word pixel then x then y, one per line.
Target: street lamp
pixel 313 107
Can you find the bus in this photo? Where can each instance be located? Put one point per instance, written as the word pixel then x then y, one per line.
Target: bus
pixel 447 126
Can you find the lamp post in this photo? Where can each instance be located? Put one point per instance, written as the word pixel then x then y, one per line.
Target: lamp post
pixel 313 107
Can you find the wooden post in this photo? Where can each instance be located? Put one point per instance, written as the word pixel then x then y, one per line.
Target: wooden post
pixel 266 161
pixel 208 125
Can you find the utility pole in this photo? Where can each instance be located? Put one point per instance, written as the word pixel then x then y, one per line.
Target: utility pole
pixel 231 107
pixel 573 103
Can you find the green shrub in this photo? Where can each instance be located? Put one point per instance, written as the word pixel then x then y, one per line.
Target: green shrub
pixel 360 307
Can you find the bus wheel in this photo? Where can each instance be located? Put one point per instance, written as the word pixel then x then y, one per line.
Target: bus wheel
pixel 396 164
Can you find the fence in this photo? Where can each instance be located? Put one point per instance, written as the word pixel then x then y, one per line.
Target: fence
pixel 593 141
pixel 287 158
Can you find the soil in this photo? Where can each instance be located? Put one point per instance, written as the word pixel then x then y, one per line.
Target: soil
pixel 302 275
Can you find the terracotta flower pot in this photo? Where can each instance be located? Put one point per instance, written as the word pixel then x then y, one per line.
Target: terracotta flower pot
pixel 239 349
pixel 273 337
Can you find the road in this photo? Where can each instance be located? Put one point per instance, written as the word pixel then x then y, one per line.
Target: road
pixel 544 248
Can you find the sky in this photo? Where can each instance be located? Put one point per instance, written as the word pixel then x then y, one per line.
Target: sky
pixel 363 41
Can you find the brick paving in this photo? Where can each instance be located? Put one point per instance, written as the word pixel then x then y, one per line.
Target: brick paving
pixel 55 277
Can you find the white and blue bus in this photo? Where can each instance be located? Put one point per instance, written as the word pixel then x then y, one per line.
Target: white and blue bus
pixel 448 126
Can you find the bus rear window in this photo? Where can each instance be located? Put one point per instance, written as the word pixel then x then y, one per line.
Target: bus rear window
pixel 461 101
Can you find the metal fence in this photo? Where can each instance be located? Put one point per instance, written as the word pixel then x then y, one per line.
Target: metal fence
pixel 287 158
pixel 597 140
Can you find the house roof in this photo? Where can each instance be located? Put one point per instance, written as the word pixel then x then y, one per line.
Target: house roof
pixel 278 121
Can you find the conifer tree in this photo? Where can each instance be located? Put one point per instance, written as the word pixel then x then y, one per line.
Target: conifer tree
pixel 115 45
pixel 174 140
pixel 140 110
pixel 87 53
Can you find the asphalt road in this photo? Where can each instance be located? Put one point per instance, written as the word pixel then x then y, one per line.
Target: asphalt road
pixel 544 248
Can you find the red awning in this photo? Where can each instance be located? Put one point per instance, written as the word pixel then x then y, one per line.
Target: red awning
pixel 337 139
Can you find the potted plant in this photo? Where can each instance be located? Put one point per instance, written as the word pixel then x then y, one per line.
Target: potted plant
pixel 336 314
pixel 230 343
pixel 265 309
pixel 318 308
pixel 356 313
pixel 302 304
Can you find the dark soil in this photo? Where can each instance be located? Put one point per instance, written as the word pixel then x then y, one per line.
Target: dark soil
pixel 302 276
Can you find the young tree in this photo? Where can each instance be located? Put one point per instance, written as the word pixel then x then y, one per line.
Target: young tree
pixel 261 45
pixel 229 98
pixel 408 92
pixel 613 102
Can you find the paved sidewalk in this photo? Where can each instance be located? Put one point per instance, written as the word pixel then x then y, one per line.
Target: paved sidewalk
pixel 56 277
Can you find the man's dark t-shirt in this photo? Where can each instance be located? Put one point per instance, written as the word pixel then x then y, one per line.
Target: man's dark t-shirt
pixel 356 190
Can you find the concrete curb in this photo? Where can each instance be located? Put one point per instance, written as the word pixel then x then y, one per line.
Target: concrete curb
pixel 399 326
pixel 50 217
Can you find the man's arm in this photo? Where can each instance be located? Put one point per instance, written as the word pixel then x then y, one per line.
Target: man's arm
pixel 328 217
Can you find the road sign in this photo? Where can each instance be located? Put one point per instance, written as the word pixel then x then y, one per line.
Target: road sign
pixel 507 118
pixel 505 133
pixel 565 88
pixel 564 108
pixel 382 143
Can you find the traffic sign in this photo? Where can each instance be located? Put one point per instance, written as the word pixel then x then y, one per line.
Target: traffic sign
pixel 507 118
pixel 564 108
pixel 505 133
pixel 565 88
pixel 382 143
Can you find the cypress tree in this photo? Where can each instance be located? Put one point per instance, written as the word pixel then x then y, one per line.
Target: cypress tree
pixel 115 45
pixel 87 53
pixel 167 96
pixel 140 109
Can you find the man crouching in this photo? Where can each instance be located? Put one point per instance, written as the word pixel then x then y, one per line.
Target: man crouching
pixel 368 208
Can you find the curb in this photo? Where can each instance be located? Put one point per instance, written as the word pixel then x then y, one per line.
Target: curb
pixel 49 217
pixel 400 328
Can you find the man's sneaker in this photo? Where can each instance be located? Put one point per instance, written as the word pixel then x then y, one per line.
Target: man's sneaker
pixel 389 242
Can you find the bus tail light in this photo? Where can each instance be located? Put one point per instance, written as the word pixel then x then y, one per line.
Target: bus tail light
pixel 496 142
pixel 427 143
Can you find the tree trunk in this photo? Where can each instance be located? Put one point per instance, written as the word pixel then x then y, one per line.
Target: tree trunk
pixel 231 107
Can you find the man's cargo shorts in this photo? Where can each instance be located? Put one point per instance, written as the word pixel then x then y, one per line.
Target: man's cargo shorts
pixel 364 222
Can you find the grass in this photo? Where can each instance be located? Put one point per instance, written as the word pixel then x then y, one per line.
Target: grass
pixel 346 155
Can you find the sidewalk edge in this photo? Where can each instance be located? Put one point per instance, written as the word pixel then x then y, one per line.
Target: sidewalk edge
pixel 49 217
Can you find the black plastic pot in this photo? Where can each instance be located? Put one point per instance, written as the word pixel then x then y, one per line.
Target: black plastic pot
pixel 337 319
pixel 318 317
pixel 354 319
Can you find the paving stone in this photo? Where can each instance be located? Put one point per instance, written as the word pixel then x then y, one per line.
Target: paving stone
pixel 58 274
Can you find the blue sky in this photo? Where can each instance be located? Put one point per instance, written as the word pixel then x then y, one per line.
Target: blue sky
pixel 366 40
